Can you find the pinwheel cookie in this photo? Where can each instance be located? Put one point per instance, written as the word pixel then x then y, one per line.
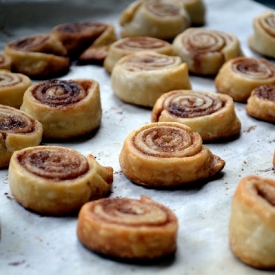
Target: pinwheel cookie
pixel 239 76
pixel 86 41
pixel 261 103
pixel 130 45
pixel 38 56
pixel 128 228
pixel 141 78
pixel 211 115
pixel 252 222
pixel 204 50
pixel 167 154
pixel 162 19
pixel 263 38
pixel 18 130
pixel 66 108
pixel 12 88
pixel 5 61
pixel 56 180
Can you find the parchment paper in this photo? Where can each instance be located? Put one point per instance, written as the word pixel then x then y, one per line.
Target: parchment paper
pixel 34 244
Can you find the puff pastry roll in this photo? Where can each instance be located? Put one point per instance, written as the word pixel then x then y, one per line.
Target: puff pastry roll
pixel 196 10
pixel 210 114
pixel 162 19
pixel 263 38
pixel 204 50
pixel 130 45
pixel 18 130
pixel 141 78
pixel 38 56
pixel 66 108
pixel 56 180
pixel 5 62
pixel 12 88
pixel 252 222
pixel 261 103
pixel 167 154
pixel 239 76
pixel 128 228
pixel 86 41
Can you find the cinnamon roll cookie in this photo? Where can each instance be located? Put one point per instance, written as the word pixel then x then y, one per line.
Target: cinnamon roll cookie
pixel 38 56
pixel 162 19
pixel 18 130
pixel 205 51
pixel 167 154
pixel 252 222
pixel 128 228
pixel 261 103
pixel 130 45
pixel 66 108
pixel 12 88
pixel 5 62
pixel 211 115
pixel 141 78
pixel 263 38
pixel 56 180
pixel 86 41
pixel 239 76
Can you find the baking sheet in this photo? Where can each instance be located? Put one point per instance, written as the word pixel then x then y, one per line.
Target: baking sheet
pixel 32 243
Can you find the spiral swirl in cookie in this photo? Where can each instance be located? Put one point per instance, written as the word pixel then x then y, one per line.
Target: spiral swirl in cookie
pixel 162 9
pixel 166 141
pixel 56 180
pixel 17 131
pixel 57 93
pixel 261 103
pixel 149 62
pixel 251 223
pixel 167 154
pixel 258 69
pixel 54 163
pixel 12 88
pixel 239 76
pixel 205 50
pixel 66 108
pixel 263 38
pixel 211 115
pixel 190 104
pixel 138 229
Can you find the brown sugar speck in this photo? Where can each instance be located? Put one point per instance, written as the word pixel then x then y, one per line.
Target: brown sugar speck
pixel 250 129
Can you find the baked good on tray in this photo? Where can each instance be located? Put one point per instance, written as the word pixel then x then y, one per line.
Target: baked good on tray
pixel 206 50
pixel 55 180
pixel 38 56
pixel 239 76
pixel 141 78
pixel 139 229
pixel 210 114
pixel 196 10
pixel 5 61
pixel 263 38
pixel 129 45
pixel 66 108
pixel 167 154
pixel 17 131
pixel 162 19
pixel 252 222
pixel 261 103
pixel 12 88
pixel 86 41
